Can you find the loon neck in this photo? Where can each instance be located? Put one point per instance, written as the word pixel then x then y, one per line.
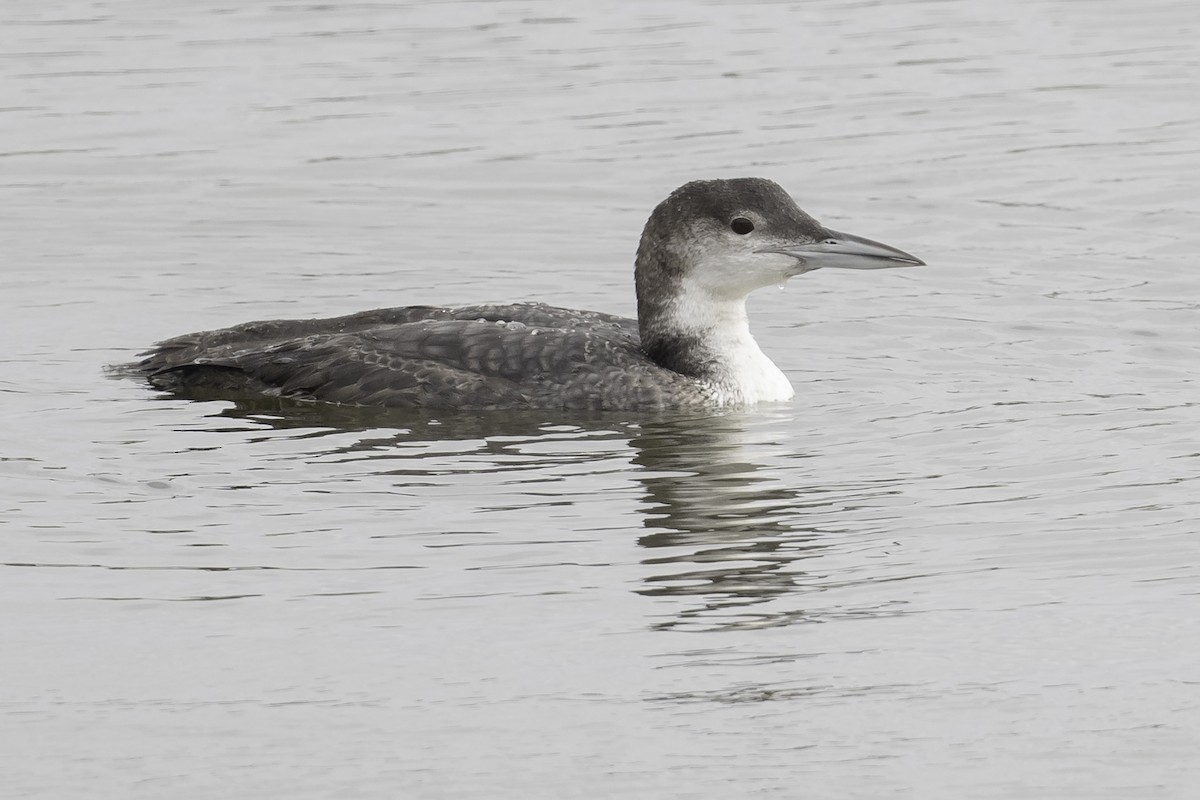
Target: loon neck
pixel 692 318
pixel 708 338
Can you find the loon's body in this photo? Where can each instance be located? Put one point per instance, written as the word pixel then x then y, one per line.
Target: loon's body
pixel 704 249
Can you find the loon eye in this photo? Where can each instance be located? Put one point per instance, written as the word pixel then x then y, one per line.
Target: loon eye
pixel 741 225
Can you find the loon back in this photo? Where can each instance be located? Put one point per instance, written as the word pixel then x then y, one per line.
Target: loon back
pixel 526 355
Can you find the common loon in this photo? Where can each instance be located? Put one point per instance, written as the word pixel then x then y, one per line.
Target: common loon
pixel 703 250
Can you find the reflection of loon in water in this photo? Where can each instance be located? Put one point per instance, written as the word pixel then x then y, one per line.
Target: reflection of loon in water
pixel 703 250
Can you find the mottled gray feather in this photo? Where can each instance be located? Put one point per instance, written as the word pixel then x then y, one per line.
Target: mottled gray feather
pixel 476 357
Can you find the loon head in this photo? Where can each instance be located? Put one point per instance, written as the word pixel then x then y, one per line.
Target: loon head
pixel 709 245
pixel 726 238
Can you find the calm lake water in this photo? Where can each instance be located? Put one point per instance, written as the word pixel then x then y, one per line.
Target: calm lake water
pixel 963 563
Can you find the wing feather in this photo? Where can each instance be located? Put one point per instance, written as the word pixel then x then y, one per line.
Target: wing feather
pixel 493 356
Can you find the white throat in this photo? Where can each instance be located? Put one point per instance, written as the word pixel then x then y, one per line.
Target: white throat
pixel 742 373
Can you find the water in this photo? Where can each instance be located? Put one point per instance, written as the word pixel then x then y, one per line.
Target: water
pixel 962 563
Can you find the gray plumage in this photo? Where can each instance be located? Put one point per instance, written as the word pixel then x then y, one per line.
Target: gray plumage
pixel 703 249
pixel 526 355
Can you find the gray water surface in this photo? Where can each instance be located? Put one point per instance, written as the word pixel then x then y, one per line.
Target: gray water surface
pixel 963 563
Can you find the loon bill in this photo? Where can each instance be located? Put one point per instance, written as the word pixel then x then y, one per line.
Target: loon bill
pixel 703 250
